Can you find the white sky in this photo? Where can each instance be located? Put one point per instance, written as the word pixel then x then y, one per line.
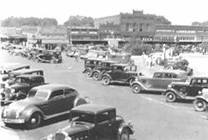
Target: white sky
pixel 182 12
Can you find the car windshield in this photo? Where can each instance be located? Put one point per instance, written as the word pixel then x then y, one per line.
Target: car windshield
pixel 82 116
pixel 21 80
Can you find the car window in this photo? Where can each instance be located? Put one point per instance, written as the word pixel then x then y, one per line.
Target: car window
pixel 204 81
pixel 32 92
pixel 57 93
pixel 103 117
pixel 167 75
pixel 174 76
pixel 69 91
pixel 158 75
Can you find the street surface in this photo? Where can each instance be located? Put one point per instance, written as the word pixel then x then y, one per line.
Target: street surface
pixel 152 117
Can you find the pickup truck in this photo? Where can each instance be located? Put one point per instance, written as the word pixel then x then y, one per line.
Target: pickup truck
pixel 159 82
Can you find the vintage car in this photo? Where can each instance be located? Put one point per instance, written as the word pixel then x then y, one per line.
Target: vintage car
pixel 49 57
pixel 6 68
pixel 19 89
pixel 181 65
pixel 43 102
pixel 201 101
pixel 185 90
pixel 94 122
pixel 103 66
pixel 90 64
pixel 120 73
pixel 159 82
pixel 13 74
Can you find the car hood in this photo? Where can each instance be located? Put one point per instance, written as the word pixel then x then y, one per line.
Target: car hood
pixel 22 104
pixel 19 85
pixel 180 83
pixel 76 127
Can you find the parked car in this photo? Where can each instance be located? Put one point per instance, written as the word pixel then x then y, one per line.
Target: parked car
pixel 19 89
pixel 50 57
pixel 90 64
pixel 43 102
pixel 6 68
pixel 201 101
pixel 181 65
pixel 120 73
pixel 159 82
pixel 94 122
pixel 103 66
pixel 185 90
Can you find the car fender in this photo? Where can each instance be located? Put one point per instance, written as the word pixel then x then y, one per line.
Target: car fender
pixel 98 71
pixel 177 93
pixel 201 98
pixel 139 83
pixel 30 110
pixel 125 126
pixel 132 77
pixel 86 69
pixel 106 74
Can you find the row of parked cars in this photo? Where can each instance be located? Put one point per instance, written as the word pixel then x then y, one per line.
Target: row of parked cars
pixel 173 84
pixel 34 53
pixel 28 100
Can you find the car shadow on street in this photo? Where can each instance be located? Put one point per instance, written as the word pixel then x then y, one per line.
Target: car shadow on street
pixel 44 123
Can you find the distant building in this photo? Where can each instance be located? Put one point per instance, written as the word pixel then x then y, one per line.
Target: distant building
pixel 84 35
pixel 127 25
pixel 182 34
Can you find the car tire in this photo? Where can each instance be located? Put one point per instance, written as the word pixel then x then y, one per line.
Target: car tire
pixel 124 135
pixel 136 88
pixel 80 101
pixel 106 80
pixel 170 97
pixel 95 76
pixel 34 121
pixel 200 105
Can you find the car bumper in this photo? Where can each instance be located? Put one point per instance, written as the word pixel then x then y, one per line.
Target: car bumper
pixel 15 121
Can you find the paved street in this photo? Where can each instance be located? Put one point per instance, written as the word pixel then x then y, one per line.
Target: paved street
pixel 153 118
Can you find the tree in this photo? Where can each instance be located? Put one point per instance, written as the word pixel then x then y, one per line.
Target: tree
pixel 30 21
pixel 79 21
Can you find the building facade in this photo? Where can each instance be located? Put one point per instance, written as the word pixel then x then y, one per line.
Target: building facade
pixel 127 25
pixel 182 34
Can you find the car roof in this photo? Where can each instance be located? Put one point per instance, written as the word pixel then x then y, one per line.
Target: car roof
pixel 171 71
pixel 92 108
pixel 11 66
pixel 108 61
pixel 199 77
pixel 26 70
pixel 95 59
pixel 51 87
pixel 29 75
pixel 122 65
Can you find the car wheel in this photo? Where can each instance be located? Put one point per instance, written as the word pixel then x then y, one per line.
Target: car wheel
pixel 124 135
pixel 88 73
pixel 170 97
pixel 200 105
pixel 34 121
pixel 95 76
pixel 106 80
pixel 136 88
pixel 80 101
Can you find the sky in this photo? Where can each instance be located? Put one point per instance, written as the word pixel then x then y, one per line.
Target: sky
pixel 179 12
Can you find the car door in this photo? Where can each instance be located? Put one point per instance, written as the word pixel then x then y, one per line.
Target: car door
pixel 196 86
pixel 103 129
pixel 69 98
pixel 55 102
